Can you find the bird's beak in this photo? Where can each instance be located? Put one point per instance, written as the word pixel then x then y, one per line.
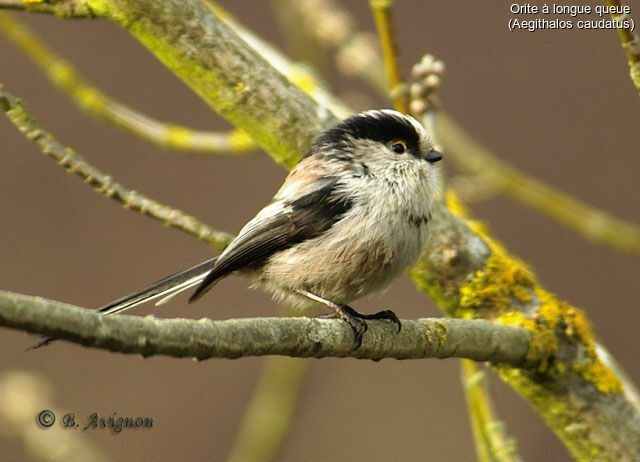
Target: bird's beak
pixel 433 157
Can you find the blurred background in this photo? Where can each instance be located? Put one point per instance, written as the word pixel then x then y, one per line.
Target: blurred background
pixel 557 104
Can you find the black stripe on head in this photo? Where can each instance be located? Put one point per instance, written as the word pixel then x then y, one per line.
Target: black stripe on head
pixel 380 126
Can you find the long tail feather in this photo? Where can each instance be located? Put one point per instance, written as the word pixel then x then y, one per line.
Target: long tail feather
pixel 166 288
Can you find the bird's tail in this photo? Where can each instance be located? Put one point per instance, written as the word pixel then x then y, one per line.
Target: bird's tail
pixel 165 289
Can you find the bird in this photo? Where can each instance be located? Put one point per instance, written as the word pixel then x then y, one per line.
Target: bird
pixel 348 219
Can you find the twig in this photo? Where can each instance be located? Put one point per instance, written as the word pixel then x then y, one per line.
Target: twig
pixel 593 224
pixel 89 98
pixel 630 42
pixel 491 441
pixel 103 183
pixel 398 88
pixel 298 337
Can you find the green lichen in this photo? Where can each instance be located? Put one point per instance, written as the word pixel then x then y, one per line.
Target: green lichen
pixel 575 327
pixel 543 347
pixel 441 332
pixel 494 288
pixel 429 284
pixel 556 411
pixel 505 281
pixel 177 135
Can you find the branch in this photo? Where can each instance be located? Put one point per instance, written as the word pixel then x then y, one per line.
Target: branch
pixel 299 74
pixel 298 337
pixel 89 98
pixel 397 87
pixel 593 224
pixel 492 442
pixel 101 182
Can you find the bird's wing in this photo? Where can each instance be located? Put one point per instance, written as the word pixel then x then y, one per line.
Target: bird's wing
pixel 279 226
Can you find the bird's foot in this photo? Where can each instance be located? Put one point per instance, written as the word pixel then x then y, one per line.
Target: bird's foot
pixel 358 321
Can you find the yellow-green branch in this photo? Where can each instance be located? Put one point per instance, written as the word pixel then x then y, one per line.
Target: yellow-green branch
pixel 489 434
pixel 593 224
pixel 397 88
pixel 89 98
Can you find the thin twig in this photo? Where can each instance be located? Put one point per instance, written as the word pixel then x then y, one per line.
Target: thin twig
pixel 103 183
pixel 593 224
pixel 397 87
pixel 89 98
pixel 302 337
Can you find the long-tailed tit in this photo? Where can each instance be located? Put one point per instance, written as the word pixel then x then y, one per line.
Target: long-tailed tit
pixel 348 219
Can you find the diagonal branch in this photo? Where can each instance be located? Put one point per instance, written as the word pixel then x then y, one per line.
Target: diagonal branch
pixel 60 8
pixel 492 442
pixel 89 98
pixel 593 224
pixel 299 337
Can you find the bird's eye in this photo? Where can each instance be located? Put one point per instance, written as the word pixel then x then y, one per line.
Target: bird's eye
pixel 399 147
